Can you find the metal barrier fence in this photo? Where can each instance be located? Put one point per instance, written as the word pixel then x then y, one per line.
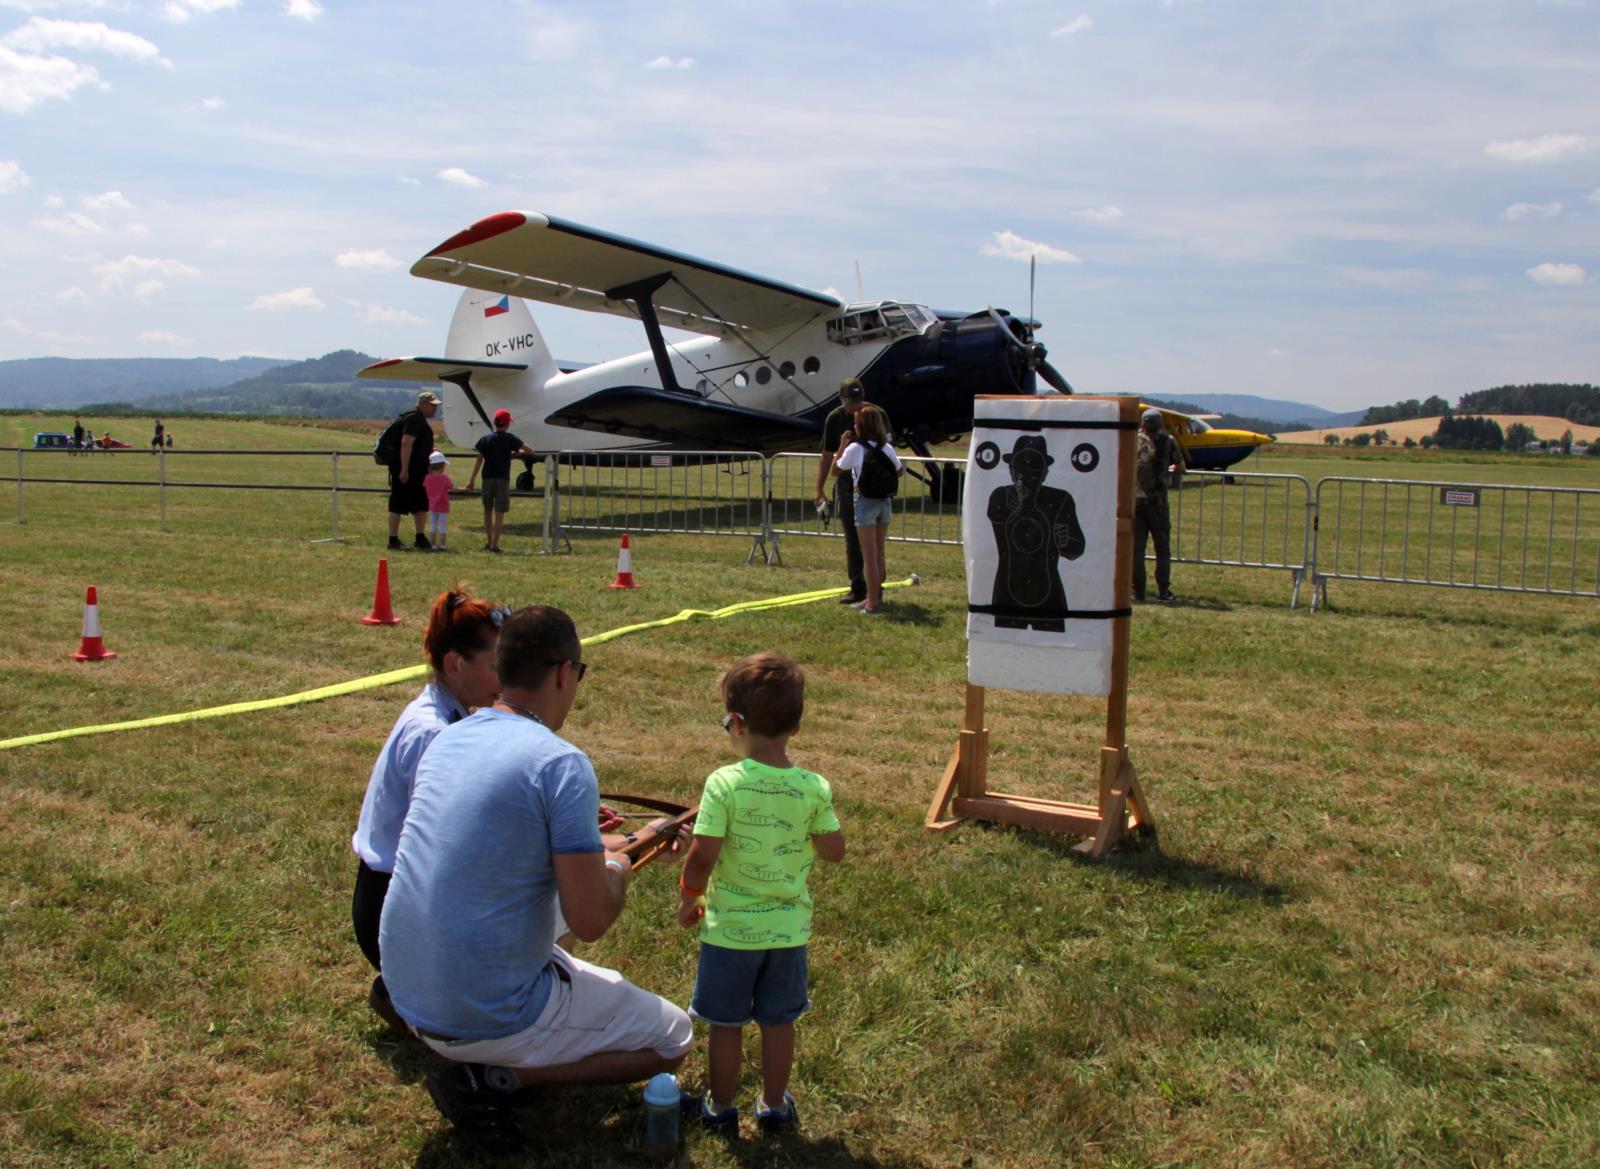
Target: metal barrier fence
pixel 1457 535
pixel 1243 519
pixel 1478 536
pixel 704 493
pixel 918 517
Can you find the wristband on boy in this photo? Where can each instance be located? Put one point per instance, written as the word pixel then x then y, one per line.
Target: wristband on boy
pixel 700 892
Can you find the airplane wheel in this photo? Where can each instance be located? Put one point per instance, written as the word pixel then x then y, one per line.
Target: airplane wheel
pixel 525 481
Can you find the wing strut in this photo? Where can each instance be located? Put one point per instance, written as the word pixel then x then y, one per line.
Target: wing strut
pixel 463 379
pixel 640 292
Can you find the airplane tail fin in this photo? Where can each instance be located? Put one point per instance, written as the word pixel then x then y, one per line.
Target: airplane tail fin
pixel 490 328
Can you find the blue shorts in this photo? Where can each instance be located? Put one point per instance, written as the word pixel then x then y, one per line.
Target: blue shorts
pixel 872 512
pixel 734 986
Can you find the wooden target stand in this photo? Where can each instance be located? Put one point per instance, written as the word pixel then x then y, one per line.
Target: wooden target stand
pixel 1120 808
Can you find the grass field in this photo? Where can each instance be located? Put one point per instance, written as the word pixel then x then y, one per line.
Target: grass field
pixel 1367 938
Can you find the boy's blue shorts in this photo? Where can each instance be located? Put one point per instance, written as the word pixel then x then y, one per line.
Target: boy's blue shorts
pixel 734 986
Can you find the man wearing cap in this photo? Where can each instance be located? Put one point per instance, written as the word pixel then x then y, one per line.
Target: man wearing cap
pixel 840 422
pixel 407 495
pixel 1157 450
pixel 495 452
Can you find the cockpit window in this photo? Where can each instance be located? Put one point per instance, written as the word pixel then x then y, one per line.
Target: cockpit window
pixel 881 321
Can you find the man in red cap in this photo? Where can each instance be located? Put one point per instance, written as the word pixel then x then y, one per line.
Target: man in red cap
pixel 495 452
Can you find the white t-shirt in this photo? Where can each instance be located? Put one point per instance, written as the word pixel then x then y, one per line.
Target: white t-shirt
pixel 855 454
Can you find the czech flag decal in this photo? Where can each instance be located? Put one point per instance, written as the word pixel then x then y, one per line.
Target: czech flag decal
pixel 503 305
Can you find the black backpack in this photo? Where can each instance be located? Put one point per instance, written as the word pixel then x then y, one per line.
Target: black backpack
pixel 386 451
pixel 877 478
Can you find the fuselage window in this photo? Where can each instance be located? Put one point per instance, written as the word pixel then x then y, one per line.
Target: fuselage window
pixel 764 374
pixel 786 370
pixel 812 365
pixel 741 379
pixel 702 387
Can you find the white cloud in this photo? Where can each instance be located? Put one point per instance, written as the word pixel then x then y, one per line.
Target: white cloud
pixel 550 34
pixel 1522 210
pixel 54 201
pixel 1074 26
pixel 26 79
pixel 73 295
pixel 1013 247
pixel 107 201
pixel 1394 279
pixel 178 11
pixel 147 290
pixel 306 10
pixel 72 223
pixel 461 178
pixel 1545 148
pixel 1098 214
pixel 294 298
pixel 116 274
pixel 1549 273
pixel 40 35
pixel 212 103
pixel 664 62
pixel 377 260
pixel 162 337
pixel 46 335
pixel 373 313
pixel 137 230
pixel 1593 196
pixel 12 176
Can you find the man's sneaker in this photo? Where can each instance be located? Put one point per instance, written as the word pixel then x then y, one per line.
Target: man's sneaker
pixel 851 599
pixel 1166 597
pixel 422 543
pixel 777 1122
pixel 698 1109
pixel 481 1114
pixel 395 545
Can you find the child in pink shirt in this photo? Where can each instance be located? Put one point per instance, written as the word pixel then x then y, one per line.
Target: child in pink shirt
pixel 438 486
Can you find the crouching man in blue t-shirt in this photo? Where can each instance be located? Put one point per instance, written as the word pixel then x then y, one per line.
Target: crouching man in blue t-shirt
pixel 503 828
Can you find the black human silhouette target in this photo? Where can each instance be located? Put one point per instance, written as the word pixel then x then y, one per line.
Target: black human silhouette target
pixel 1034 528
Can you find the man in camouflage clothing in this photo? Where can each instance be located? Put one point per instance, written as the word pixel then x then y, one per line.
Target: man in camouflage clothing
pixel 1157 450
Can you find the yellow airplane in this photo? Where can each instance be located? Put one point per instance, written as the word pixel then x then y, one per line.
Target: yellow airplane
pixel 1206 448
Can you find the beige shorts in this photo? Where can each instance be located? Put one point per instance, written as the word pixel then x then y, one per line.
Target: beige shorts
pixel 496 493
pixel 590 1010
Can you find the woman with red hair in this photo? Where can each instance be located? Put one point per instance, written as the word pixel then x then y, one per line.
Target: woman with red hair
pixel 460 642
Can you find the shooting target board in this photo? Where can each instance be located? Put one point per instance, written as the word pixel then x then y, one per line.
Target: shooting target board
pixel 1039 528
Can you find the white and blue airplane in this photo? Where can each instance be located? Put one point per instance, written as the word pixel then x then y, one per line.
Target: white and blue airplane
pixel 760 373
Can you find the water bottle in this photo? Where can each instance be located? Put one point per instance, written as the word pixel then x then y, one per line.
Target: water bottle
pixel 661 1116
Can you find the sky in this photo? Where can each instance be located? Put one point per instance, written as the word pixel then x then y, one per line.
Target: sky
pixel 1337 202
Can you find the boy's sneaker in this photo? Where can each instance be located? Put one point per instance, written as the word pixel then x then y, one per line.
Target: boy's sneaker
pixel 481 1114
pixel 422 543
pixel 777 1122
pixel 395 545
pixel 1166 597
pixel 698 1108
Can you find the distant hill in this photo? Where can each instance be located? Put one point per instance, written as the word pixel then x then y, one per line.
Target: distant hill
pixel 1275 410
pixel 323 387
pixel 1222 419
pixel 64 382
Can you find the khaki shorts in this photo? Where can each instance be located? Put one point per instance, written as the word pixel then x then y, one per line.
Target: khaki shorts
pixel 590 1010
pixel 497 494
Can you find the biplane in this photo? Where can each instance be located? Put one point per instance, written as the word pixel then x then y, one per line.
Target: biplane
pixel 759 371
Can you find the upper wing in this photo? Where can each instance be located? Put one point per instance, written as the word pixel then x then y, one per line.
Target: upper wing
pixel 684 421
pixel 427 369
pixel 540 257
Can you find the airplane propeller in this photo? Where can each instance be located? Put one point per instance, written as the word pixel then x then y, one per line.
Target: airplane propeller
pixel 1020 334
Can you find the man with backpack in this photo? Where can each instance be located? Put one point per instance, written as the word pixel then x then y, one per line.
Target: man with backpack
pixel 407 443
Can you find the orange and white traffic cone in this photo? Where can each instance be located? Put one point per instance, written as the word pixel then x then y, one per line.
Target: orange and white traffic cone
pixel 92 648
pixel 624 566
pixel 382 613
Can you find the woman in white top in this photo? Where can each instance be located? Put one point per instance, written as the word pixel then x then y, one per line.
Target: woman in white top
pixel 460 641
pixel 877 470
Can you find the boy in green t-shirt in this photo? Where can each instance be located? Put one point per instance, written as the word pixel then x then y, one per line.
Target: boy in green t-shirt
pixel 762 822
